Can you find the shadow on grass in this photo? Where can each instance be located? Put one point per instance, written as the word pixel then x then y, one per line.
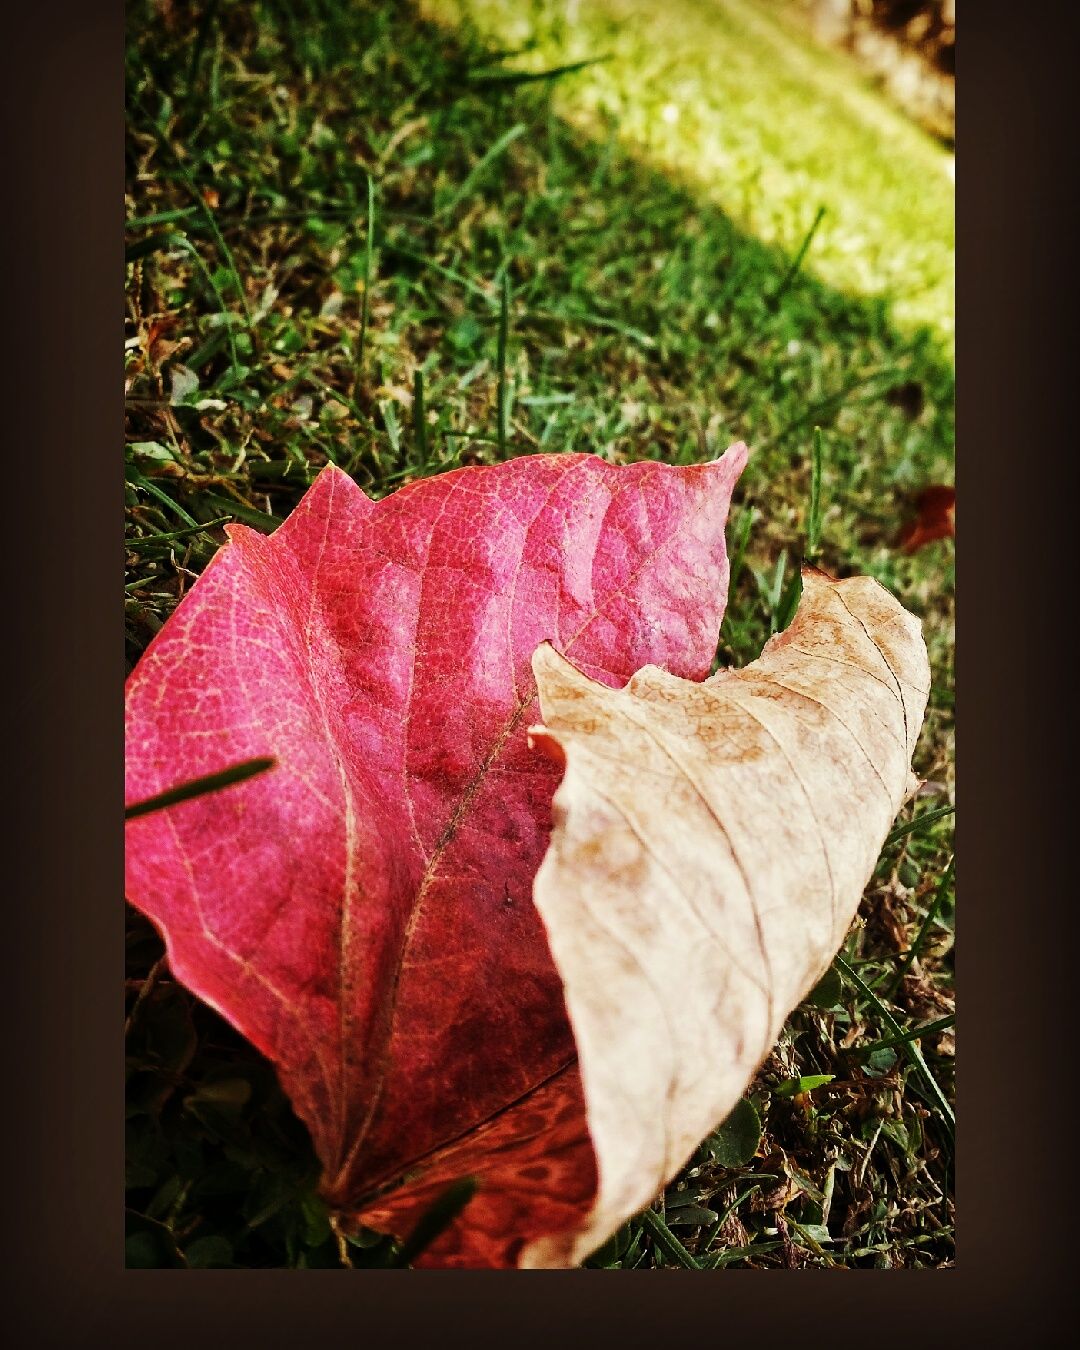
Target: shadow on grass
pixel 643 324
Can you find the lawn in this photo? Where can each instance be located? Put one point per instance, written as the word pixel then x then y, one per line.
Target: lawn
pixel 709 231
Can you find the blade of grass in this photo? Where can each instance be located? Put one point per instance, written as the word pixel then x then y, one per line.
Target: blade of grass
pixel 504 141
pixel 666 1240
pixel 420 416
pixel 778 599
pixel 250 515
pixel 390 422
pixel 911 1049
pixel 797 261
pixel 727 1212
pixel 471 436
pixel 746 524
pixel 199 45
pixel 509 79
pixel 223 248
pixel 730 1254
pixel 148 539
pixel 199 787
pixel 919 823
pixel 597 321
pixel 813 523
pixel 435 1220
pixel 160 218
pixel 503 400
pixel 926 1029
pixel 365 307
pixel 134 477
pixel 789 601
pixel 809 1241
pixel 155 243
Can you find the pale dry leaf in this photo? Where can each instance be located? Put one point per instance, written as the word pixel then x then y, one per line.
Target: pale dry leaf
pixel 711 845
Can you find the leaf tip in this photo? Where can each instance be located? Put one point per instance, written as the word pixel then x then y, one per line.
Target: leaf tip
pixel 236 532
pixel 331 472
pixel 734 457
pixel 547 662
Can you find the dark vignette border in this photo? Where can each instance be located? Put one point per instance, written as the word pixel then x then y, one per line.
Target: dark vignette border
pixel 62 1214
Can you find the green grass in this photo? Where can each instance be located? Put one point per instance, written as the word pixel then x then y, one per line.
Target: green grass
pixel 730 100
pixel 361 238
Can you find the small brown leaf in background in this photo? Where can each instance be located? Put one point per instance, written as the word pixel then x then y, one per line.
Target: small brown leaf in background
pixel 909 397
pixel 156 342
pixel 936 518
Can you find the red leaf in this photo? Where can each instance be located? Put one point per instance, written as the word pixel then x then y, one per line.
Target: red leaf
pixel 363 912
pixel 936 518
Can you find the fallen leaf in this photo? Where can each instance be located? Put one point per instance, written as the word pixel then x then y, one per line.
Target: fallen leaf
pixel 711 846
pixel 363 912
pixel 935 518
pixel 157 348
pixel 909 396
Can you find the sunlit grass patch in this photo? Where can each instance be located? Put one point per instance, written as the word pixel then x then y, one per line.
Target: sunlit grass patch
pixel 731 100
